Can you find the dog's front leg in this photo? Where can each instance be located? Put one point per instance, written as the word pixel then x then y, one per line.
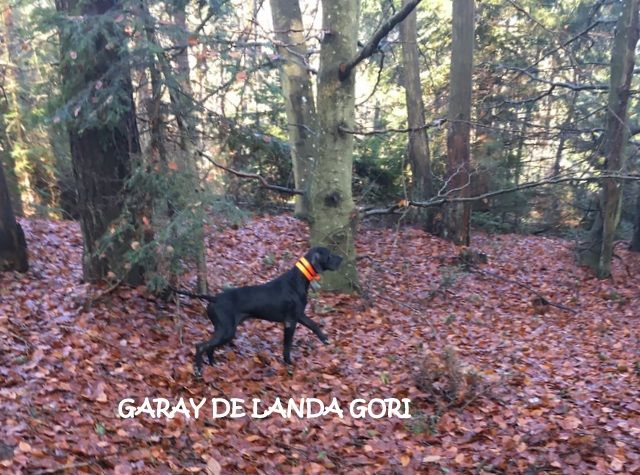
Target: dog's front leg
pixel 289 331
pixel 313 326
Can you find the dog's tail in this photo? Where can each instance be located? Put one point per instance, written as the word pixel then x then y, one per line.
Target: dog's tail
pixel 210 298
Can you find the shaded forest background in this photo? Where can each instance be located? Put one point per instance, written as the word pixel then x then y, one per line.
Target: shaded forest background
pixel 195 90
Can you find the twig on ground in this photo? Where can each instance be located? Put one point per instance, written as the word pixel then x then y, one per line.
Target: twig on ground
pixel 544 300
pixel 91 300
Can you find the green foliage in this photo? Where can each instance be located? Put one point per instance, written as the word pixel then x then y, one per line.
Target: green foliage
pixel 164 213
pixel 233 100
pixel 378 169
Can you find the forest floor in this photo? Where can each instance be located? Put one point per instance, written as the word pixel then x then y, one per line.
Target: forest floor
pixel 498 381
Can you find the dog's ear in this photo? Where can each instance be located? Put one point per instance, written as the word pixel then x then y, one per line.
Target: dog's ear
pixel 322 259
pixel 314 256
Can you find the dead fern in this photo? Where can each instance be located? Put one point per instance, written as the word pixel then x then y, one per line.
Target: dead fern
pixel 446 381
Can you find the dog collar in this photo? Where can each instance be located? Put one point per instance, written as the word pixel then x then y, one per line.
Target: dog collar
pixel 307 269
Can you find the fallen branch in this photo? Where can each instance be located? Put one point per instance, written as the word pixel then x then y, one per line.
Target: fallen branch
pixel 88 303
pixel 75 465
pixel 542 299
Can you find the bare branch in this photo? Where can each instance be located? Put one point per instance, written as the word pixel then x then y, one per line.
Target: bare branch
pixel 440 200
pixel 435 123
pixel 251 176
pixel 568 85
pixel 541 298
pixel 372 45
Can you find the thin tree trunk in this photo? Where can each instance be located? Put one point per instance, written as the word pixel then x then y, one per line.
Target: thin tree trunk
pixel 333 216
pixel 635 241
pixel 37 165
pixel 458 215
pixel 419 157
pixel 553 213
pixel 518 164
pixel 13 247
pixel 598 250
pixel 102 153
pixel 183 113
pixel 298 94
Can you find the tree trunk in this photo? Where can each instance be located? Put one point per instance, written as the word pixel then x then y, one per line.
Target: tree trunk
pixel 102 150
pixel 333 217
pixel 422 186
pixel 6 160
pixel 553 213
pixel 598 250
pixel 9 85
pixel 36 163
pixel 298 94
pixel 13 247
pixel 183 113
pixel 635 241
pixel 458 215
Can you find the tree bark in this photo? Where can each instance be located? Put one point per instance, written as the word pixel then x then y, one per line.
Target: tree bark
pixel 6 160
pixel 102 151
pixel 298 95
pixel 635 241
pixel 13 247
pixel 333 217
pixel 184 117
pixel 419 156
pixel 553 213
pixel 597 252
pixel 458 215
pixel 36 163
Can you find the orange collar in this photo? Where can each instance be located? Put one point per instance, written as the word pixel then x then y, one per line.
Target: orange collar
pixel 307 269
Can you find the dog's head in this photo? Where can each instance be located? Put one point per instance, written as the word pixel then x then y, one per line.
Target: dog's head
pixel 322 259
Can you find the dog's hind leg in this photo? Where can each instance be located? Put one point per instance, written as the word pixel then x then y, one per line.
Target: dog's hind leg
pixel 207 347
pixel 213 315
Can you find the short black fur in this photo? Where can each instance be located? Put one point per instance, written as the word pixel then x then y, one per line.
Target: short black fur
pixel 282 299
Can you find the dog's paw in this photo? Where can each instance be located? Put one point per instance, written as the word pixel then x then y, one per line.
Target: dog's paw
pixel 324 339
pixel 197 372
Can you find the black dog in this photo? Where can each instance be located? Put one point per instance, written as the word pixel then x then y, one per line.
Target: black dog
pixel 281 300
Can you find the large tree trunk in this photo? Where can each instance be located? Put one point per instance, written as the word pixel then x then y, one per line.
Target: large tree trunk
pixel 458 215
pixel 598 250
pixel 6 160
pixel 6 157
pixel 422 186
pixel 102 151
pixel 13 247
pixel 333 217
pixel 298 94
